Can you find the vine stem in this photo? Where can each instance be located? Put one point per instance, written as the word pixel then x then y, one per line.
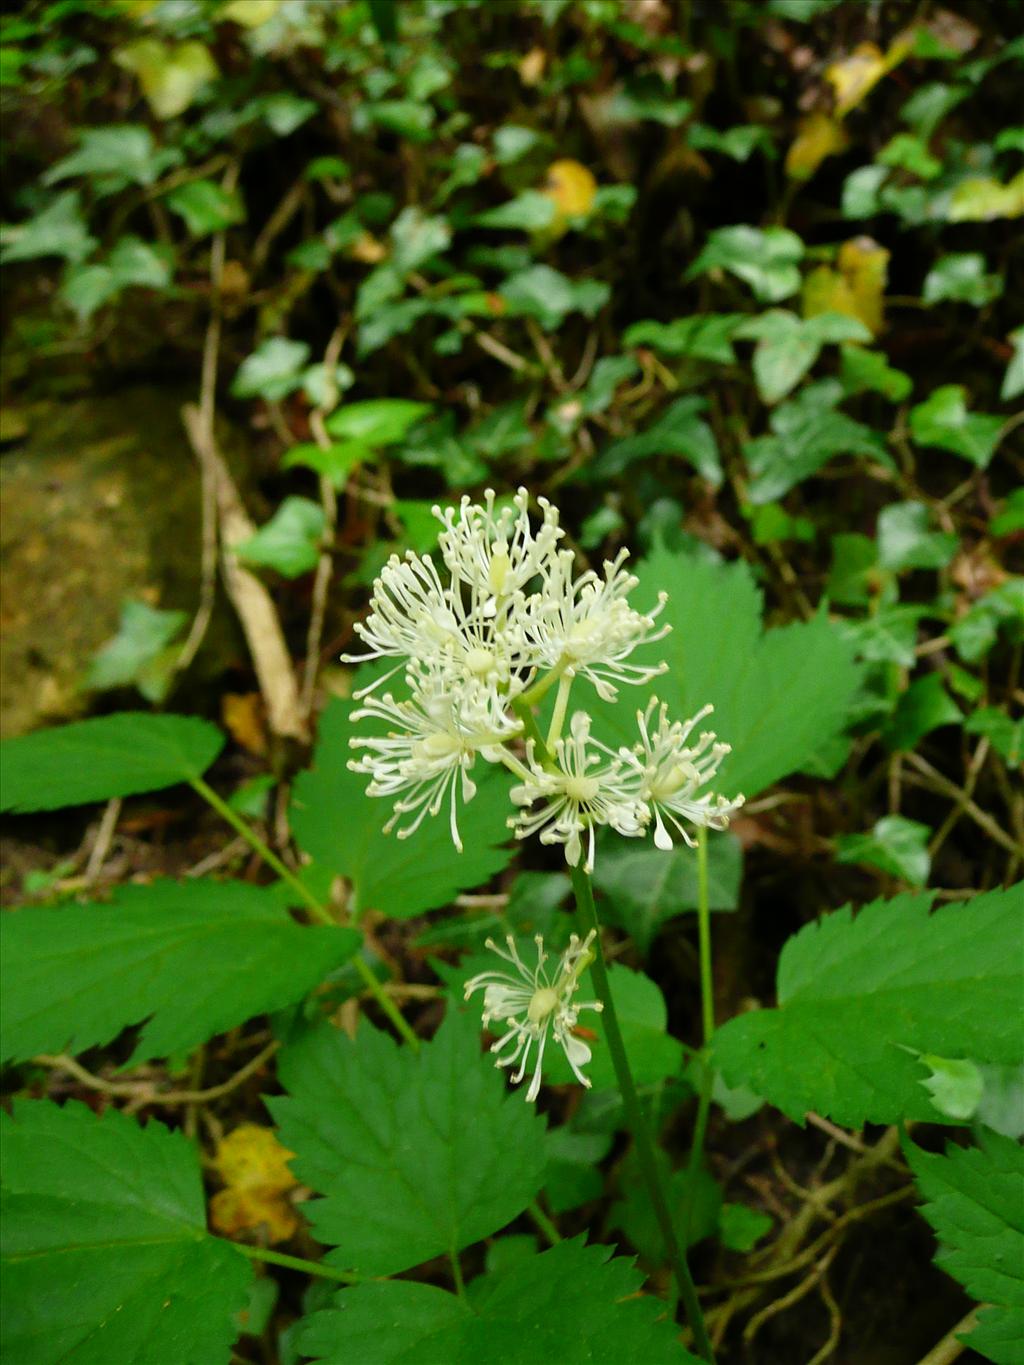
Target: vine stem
pixel 325 1272
pixel 635 1117
pixel 318 911
pixel 707 1009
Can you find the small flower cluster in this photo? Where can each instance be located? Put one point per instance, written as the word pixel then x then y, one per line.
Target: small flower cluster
pixel 479 645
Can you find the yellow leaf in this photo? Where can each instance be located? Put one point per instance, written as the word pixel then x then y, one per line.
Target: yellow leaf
pixel 250 13
pixel 251 1158
pixel 818 136
pixel 235 1212
pixel 253 1165
pixel 571 187
pixel 242 713
pixel 170 76
pixel 856 287
pixel 854 76
pixel 531 67
pixel 981 199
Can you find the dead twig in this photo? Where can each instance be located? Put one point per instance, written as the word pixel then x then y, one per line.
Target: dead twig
pixel 145 1092
pixel 104 838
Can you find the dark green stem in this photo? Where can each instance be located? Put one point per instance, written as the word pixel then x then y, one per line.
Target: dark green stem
pixel 635 1118
pixel 707 1005
pixel 319 912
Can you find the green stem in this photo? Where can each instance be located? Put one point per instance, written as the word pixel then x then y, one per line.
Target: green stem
pixel 458 1281
pixel 318 911
pixel 544 1223
pixel 532 730
pixel 707 1004
pixel 325 1272
pixel 635 1117
pixel 558 715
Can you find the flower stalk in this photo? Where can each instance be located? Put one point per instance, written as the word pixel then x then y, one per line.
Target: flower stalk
pixel 637 1122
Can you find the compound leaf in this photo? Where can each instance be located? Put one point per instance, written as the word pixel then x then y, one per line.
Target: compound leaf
pixel 975 1203
pixel 193 958
pixel 342 829
pixel 574 1304
pixel 106 1253
pixel 92 760
pixel 418 1154
pixel 858 998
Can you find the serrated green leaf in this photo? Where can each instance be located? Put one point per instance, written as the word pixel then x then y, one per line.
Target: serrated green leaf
pixel 92 760
pixel 205 207
pixel 105 1248
pixel 807 432
pixel 290 541
pixel 975 1203
pixel 341 828
pixel 765 258
pixel 895 845
pixel 572 1304
pixel 645 886
pixel 779 695
pixel 854 994
pixel 192 959
pixel 943 420
pixel 417 1153
pixel 273 370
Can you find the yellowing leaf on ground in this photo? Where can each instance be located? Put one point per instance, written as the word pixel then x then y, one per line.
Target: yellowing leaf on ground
pixel 855 76
pixel 170 76
pixel 250 13
pixel 855 287
pixel 571 188
pixel 242 713
pixel 254 1168
pixel 531 68
pixel 818 136
pixel 981 199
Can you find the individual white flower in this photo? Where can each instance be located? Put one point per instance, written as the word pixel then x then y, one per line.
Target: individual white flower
pixel 497 553
pixel 575 796
pixel 672 772
pixel 534 1003
pixel 586 626
pixel 426 757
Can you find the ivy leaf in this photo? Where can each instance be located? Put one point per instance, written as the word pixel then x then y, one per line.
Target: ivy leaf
pixel 705 337
pixel 138 653
pixel 923 707
pixel 341 828
pixel 896 845
pixel 377 421
pixel 862 370
pixel 645 886
pixel 416 1153
pixel 273 370
pixel 549 296
pixel 807 432
pixel 117 155
pixel 574 1304
pixel 680 431
pixel 856 994
pixel 75 976
pixel 171 75
pixel 905 540
pixel 290 541
pixel 335 461
pixel 787 345
pixel 416 237
pixel 961 278
pixel 107 1257
pixel 943 420
pixel 57 230
pixel 205 207
pixel 1013 379
pixel 975 1203
pixel 92 760
pixel 530 211
pixel 1005 735
pixel 779 696
pixel 765 258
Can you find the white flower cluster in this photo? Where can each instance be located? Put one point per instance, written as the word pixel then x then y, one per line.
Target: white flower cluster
pixel 480 644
